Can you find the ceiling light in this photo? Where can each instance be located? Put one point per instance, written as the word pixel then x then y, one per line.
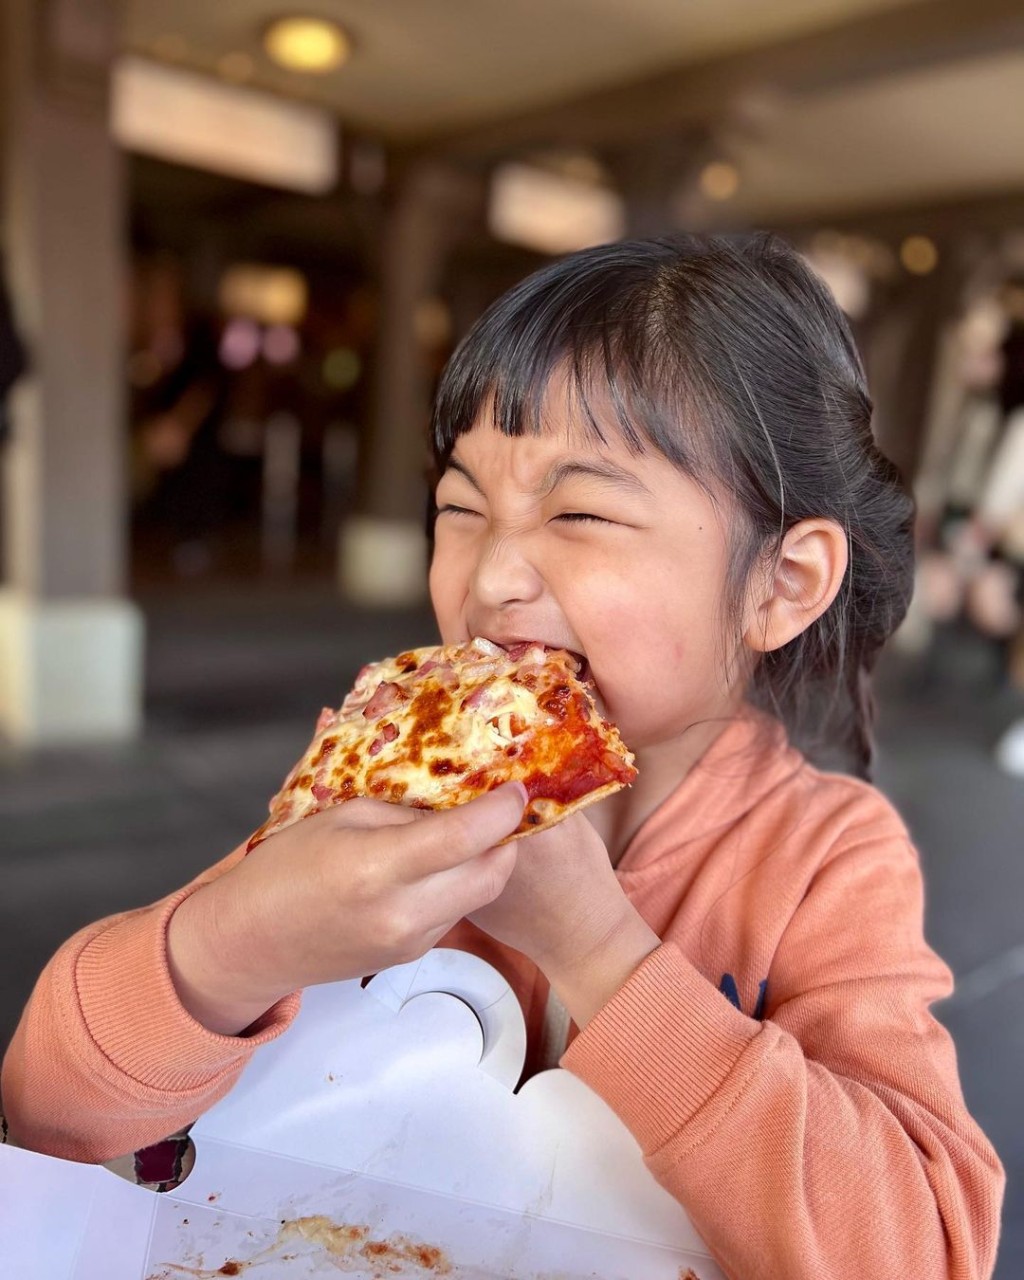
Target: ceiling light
pixel 845 279
pixel 311 45
pixel 271 295
pixel 191 119
pixel 550 212
pixel 919 255
pixel 719 180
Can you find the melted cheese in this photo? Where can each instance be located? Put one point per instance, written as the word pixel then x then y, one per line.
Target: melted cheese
pixel 452 732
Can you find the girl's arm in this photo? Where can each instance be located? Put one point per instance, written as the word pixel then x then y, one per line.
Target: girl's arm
pixel 141 1022
pixel 105 1059
pixel 831 1139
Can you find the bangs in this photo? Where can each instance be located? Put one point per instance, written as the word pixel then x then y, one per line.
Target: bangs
pixel 598 324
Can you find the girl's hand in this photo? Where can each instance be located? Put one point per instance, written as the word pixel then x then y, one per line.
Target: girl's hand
pixel 564 908
pixel 339 895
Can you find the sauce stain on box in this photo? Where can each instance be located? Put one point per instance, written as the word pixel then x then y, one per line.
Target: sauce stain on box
pixel 348 1245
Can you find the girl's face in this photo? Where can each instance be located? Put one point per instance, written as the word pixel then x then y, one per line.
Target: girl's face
pixel 584 546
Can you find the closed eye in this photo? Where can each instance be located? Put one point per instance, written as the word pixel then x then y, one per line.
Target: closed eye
pixel 582 517
pixel 449 509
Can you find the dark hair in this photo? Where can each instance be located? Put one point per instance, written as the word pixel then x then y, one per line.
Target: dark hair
pixel 732 359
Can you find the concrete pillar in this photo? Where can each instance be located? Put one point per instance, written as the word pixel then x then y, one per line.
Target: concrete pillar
pixel 652 174
pixel 70 643
pixel 382 551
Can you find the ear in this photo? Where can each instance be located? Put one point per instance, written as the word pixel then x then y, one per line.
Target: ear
pixel 805 579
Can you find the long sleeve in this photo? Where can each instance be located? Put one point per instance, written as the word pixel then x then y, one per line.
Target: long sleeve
pixel 105 1059
pixel 830 1139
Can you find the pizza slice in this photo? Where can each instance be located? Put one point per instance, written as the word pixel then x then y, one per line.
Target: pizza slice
pixel 434 727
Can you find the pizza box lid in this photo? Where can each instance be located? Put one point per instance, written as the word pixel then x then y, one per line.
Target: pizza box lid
pixel 380 1137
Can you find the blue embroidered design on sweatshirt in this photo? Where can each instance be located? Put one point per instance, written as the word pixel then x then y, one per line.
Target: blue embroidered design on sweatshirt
pixel 731 992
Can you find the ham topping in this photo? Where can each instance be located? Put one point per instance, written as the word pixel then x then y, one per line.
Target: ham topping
pixel 327 718
pixel 387 699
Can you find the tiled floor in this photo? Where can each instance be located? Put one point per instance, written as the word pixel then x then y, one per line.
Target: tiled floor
pixel 235 681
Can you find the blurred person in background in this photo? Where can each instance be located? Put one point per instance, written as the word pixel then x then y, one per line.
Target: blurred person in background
pixel 996 596
pixel 971 509
pixel 974 572
pixel 181 473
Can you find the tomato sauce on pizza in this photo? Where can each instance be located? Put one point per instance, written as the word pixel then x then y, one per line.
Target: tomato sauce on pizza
pixel 434 727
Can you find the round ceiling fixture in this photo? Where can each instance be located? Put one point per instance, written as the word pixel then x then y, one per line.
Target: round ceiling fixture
pixel 310 45
pixel 719 180
pixel 919 255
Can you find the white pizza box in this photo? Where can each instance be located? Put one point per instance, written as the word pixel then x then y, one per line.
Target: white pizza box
pixel 380 1137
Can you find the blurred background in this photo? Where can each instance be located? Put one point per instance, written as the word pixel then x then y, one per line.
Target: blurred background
pixel 238 243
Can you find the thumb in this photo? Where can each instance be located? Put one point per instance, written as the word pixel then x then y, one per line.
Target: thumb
pixel 453 836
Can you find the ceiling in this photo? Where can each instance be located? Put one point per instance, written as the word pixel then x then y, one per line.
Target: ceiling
pixel 929 135
pixel 426 66
pixel 897 130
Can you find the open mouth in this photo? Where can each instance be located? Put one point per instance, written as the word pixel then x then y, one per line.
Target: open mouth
pixel 517 648
pixel 583 672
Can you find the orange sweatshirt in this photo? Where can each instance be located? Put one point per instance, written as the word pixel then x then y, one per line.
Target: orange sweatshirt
pixel 775 1058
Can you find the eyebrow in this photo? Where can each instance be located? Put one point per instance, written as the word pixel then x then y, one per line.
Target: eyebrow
pixel 607 472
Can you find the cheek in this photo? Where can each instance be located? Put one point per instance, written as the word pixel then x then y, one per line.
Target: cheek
pixel 625 606
pixel 447 591
pixel 436 575
pixel 624 637
pixel 644 629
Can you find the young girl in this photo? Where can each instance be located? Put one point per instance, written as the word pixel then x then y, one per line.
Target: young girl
pixel 658 455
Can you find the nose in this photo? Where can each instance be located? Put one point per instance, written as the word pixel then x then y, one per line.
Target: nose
pixel 505 574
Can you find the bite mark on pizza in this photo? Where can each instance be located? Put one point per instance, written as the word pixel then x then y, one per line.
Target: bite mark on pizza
pixel 434 727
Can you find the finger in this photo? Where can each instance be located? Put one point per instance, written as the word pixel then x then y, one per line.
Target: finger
pixel 450 895
pixel 364 814
pixel 450 837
